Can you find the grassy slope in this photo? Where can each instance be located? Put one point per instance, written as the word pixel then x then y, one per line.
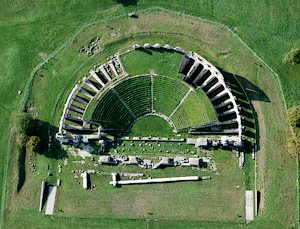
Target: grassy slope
pixel 268 27
pixel 143 62
pixel 21 46
pixel 25 40
pixel 196 110
pixel 151 125
pixel 167 94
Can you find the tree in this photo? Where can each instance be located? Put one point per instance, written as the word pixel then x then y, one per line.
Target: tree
pixel 34 144
pixel 25 124
pixel 293 146
pixel 294 116
pixel 292 57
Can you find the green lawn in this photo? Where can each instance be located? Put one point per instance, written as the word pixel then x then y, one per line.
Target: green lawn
pixel 136 94
pixel 194 199
pixel 110 112
pixel 31 31
pixel 196 110
pixel 152 61
pixel 167 94
pixel 151 126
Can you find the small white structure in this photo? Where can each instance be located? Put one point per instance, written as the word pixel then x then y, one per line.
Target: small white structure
pixel 164 161
pixel 133 160
pixel 241 160
pixel 107 159
pixel 147 45
pixel 194 161
pixel 58 182
pixel 114 181
pixel 157 46
pixel 67 138
pixel 249 205
pixel 166 46
pixel 51 200
pixel 84 176
pixel 198 142
pixel 178 49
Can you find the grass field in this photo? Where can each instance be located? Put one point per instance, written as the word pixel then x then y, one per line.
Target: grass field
pixel 136 94
pixel 196 110
pixel 167 94
pixel 110 112
pixel 151 125
pixel 152 61
pixel 31 32
pixel 158 201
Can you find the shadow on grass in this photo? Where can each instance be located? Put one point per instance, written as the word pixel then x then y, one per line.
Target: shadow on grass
pixel 50 146
pixel 240 87
pixel 21 168
pixel 42 130
pixel 126 3
pixel 151 50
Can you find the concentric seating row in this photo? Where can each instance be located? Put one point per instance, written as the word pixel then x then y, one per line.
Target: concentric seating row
pixel 163 87
pixel 72 120
pixel 137 96
pixel 111 113
pixel 201 74
pixel 123 103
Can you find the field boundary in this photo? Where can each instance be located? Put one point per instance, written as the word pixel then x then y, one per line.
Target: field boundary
pixel 4 180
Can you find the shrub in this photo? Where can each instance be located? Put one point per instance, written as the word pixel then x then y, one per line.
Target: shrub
pixel 25 124
pixel 34 144
pixel 294 116
pixel 21 139
pixel 293 146
pixel 293 57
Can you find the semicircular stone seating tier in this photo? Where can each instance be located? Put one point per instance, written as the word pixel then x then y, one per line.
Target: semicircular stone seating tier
pixel 198 73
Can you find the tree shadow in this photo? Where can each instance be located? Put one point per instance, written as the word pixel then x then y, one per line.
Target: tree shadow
pixel 49 148
pixel 21 168
pixel 126 3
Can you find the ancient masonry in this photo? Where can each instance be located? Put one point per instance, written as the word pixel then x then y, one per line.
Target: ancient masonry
pixel 197 71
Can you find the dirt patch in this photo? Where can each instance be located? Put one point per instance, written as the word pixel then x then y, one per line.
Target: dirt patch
pixel 152 72
pixel 261 154
pixel 43 55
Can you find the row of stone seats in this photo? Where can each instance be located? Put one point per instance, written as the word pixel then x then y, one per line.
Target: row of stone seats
pixel 78 100
pixel 199 73
pixel 136 94
pixel 158 46
pixel 162 88
pixel 111 113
